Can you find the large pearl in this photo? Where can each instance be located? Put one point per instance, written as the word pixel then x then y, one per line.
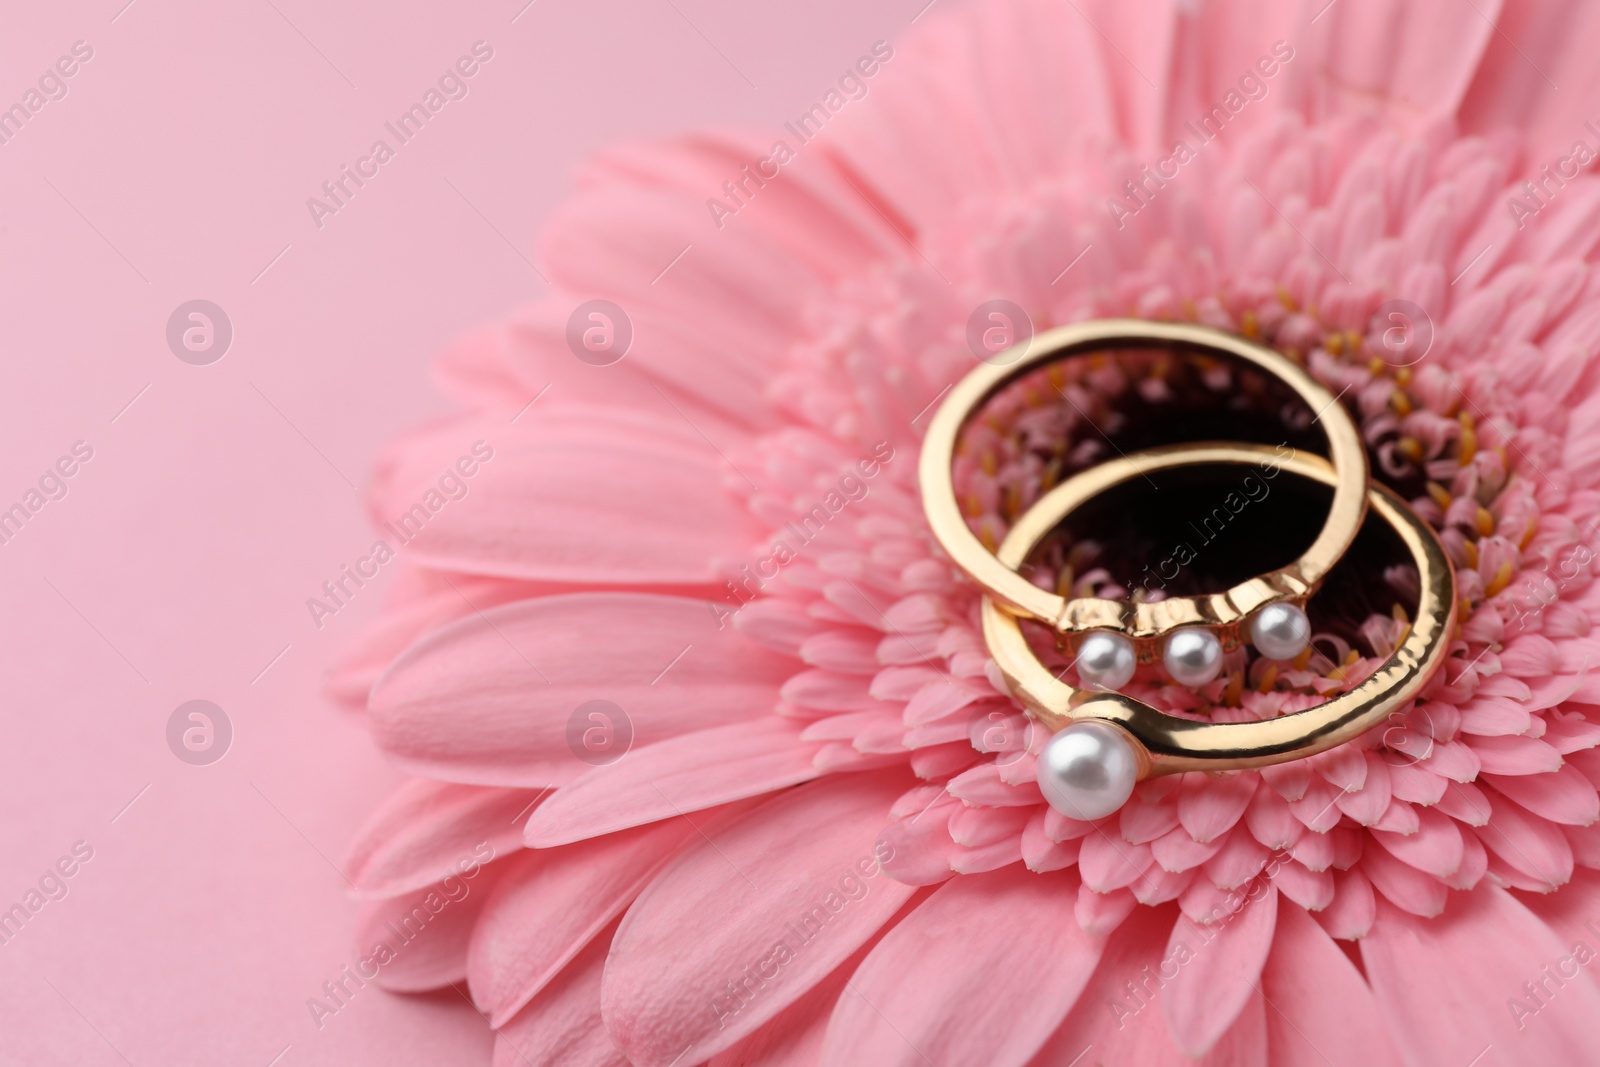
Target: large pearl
pixel 1280 631
pixel 1193 656
pixel 1088 770
pixel 1105 661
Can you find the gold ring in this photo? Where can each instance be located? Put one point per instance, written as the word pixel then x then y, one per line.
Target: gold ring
pixel 1088 775
pixel 1141 620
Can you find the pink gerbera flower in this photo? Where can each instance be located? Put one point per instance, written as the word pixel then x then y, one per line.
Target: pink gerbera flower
pixel 824 843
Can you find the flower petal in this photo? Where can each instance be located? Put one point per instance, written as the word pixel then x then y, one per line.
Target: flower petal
pixel 564 498
pixel 682 774
pixel 549 904
pixel 493 697
pixel 1444 985
pixel 771 903
pixel 562 1026
pixel 418 940
pixel 1322 1008
pixel 930 985
pixel 1212 989
pixel 1116 1021
pixel 426 830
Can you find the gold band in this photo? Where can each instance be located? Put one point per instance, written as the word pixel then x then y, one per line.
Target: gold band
pixel 1166 744
pixel 1139 620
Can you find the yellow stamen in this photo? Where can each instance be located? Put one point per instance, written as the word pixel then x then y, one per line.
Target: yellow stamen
pixel 1064 581
pixel 1440 495
pixel 1010 501
pixel 1235 687
pixel 1401 403
pixel 1469 552
pixel 1502 579
pixel 1486 521
pixel 1269 678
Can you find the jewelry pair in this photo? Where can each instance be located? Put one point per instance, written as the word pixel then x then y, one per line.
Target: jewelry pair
pixel 1104 742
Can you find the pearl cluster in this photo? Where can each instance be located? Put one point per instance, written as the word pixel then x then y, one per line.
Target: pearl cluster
pixel 1192 655
pixel 1088 770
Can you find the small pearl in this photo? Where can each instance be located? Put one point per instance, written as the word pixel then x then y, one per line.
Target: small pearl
pixel 1088 770
pixel 1280 631
pixel 1193 656
pixel 1105 661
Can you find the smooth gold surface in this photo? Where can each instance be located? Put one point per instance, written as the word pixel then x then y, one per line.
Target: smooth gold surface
pixel 1167 744
pixel 1139 620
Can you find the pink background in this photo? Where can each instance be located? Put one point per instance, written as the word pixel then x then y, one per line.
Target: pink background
pixel 179 563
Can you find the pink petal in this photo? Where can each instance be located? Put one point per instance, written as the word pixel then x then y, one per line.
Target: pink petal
pixel 1445 985
pixel 1415 784
pixel 1212 989
pixel 418 941
pixel 714 326
pixel 776 623
pixel 1424 76
pixel 563 499
pixel 1367 804
pixel 795 880
pixel 1314 850
pixel 930 985
pixel 1515 755
pixel 494 698
pixel 561 1027
pixel 919 144
pixel 1312 890
pixel 1434 849
pixel 1141 821
pixel 1565 797
pixel 1319 808
pixel 1271 821
pixel 1100 913
pixel 679 775
pixel 421 601
pixel 793 1037
pixel 1209 806
pixel 1458 761
pixel 1398 818
pixel 1177 851
pixel 1321 1007
pixel 1240 859
pixel 1353 909
pixel 549 904
pixel 426 830
pixel 1527 844
pixel 1404 885
pixel 1116 1020
pixel 1107 862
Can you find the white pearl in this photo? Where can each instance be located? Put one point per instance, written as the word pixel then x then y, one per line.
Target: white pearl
pixel 1280 631
pixel 1088 770
pixel 1193 656
pixel 1105 661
